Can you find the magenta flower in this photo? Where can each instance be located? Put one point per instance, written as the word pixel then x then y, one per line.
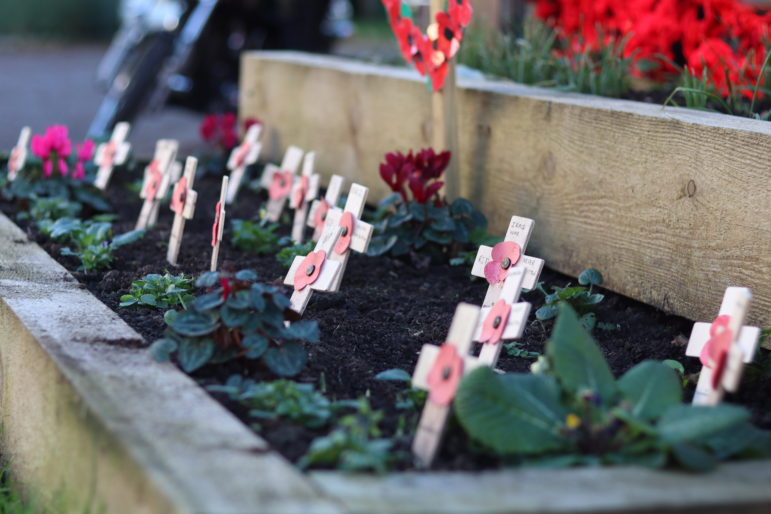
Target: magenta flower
pixel 53 147
pixel 84 152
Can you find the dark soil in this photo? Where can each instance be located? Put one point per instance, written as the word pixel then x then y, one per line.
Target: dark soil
pixel 386 310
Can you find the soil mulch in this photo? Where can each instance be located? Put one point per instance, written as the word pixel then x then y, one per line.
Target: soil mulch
pixel 385 311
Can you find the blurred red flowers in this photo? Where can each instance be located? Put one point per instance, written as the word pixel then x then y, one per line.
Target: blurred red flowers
pixel 418 172
pixel 221 130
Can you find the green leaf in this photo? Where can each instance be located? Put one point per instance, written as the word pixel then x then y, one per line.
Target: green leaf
pixel 693 457
pixel 380 245
pixel 233 318
pixel 127 238
pixel 255 345
pixel 576 359
pixel 513 413
pixel 303 330
pixel 443 223
pixel 547 312
pixel 438 237
pixel 590 277
pixel 652 387
pixel 690 423
pixel 462 207
pixel 193 354
pixel 193 324
pixel 208 301
pixel 286 360
pixel 148 299
pixel 246 275
pixel 588 321
pixel 675 365
pixel 396 375
pixel 127 300
pixel 162 349
pixel 208 279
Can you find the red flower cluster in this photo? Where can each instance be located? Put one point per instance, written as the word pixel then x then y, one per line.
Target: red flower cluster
pixel 726 37
pixel 430 52
pixel 419 172
pixel 221 130
pixel 54 148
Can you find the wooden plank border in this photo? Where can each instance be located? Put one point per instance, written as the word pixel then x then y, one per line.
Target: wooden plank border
pixel 672 205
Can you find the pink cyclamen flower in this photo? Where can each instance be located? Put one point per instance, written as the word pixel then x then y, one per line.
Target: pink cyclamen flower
pixel 84 152
pixel 53 146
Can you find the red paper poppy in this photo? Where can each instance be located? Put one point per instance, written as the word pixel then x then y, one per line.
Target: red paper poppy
pixel 446 36
pixel 215 229
pixel 280 185
pixel 715 352
pixel 309 270
pixel 505 256
pixel 320 215
pixel 300 192
pixel 461 11
pixel 13 161
pixel 495 323
pixel 241 154
pixel 423 56
pixel 108 154
pixel 445 375
pixel 344 241
pixel 179 196
pixel 153 181
pixel 404 30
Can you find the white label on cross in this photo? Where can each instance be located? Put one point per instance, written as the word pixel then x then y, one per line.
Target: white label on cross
pixel 519 232
pixel 112 153
pixel 434 417
pixel 319 208
pixel 183 202
pixel 515 322
pixel 280 186
pixel 18 157
pixel 327 275
pixel 742 349
pixel 243 156
pixel 362 231
pixel 305 190
pixel 156 182
pixel 218 229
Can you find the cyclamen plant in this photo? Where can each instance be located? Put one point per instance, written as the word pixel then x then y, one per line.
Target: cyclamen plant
pixel 220 131
pixel 416 220
pixel 237 317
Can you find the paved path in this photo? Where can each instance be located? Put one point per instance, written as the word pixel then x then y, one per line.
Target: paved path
pixel 42 84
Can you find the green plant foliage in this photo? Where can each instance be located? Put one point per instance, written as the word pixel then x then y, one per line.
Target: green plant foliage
pixel 478 237
pixel 580 297
pixel 426 232
pixel 281 399
pixel 159 291
pixel 90 241
pixel 574 412
pixel 258 237
pixel 354 445
pixel 28 186
pixel 514 348
pixel 286 255
pixel 45 211
pixel 237 316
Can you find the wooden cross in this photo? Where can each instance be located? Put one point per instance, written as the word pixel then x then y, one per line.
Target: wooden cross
pixel 503 321
pixel 319 208
pixel 18 155
pixel 219 224
pixel 112 153
pixel 439 371
pixel 183 201
pixel 356 233
pixel 158 176
pixel 243 156
pixel 724 346
pixel 280 180
pixel 314 272
pixel 305 190
pixel 494 263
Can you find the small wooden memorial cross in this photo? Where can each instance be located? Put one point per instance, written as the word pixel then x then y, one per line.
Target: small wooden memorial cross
pixel 279 181
pixel 305 190
pixel 439 371
pixel 112 153
pixel 314 272
pixel 183 201
pixel 723 346
pixel 494 263
pixel 156 183
pixel 243 156
pixel 505 320
pixel 18 157
pixel 319 208
pixel 356 233
pixel 219 224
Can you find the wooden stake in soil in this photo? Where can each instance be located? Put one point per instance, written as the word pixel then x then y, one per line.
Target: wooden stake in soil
pixel 219 224
pixel 158 176
pixel 723 346
pixel 356 233
pixel 503 321
pixel 495 263
pixel 243 156
pixel 183 201
pixel 18 157
pixel 112 153
pixel 439 371
pixel 280 180
pixel 319 208
pixel 305 190
pixel 315 271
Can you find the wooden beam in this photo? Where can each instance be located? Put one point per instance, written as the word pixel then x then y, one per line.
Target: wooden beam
pixel 672 205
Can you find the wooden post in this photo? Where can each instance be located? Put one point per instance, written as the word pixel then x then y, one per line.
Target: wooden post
pixel 445 118
pixel 18 155
pixel 319 208
pixel 183 202
pixel 219 224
